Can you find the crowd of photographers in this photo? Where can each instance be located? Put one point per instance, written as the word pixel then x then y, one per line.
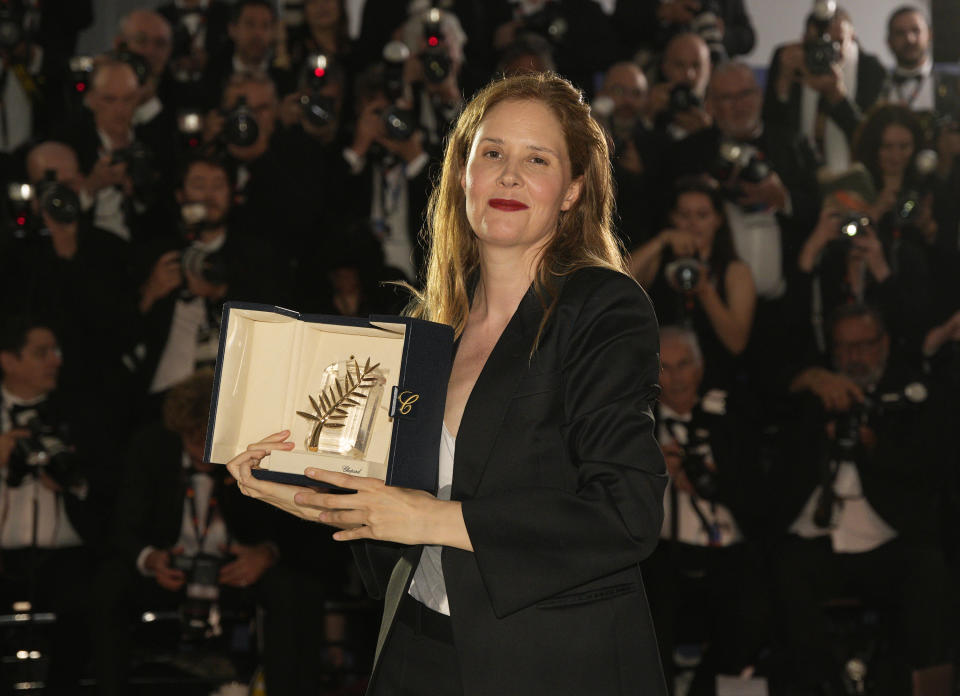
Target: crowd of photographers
pixel 799 237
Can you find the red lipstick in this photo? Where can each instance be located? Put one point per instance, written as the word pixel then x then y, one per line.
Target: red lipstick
pixel 506 204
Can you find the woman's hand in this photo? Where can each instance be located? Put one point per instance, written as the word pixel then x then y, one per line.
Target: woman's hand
pixel 382 512
pixel 682 243
pixel 827 229
pixel 277 494
pixel 867 247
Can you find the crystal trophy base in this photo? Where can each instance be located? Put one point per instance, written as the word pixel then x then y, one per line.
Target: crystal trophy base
pixel 344 407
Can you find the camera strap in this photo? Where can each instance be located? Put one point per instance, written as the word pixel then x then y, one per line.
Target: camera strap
pixel 208 518
pixel 711 528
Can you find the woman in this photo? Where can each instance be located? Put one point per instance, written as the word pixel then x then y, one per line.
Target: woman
pixel 556 484
pixel 719 307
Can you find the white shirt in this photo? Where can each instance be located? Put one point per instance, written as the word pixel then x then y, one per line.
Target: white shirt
pixel 689 526
pixel 836 146
pixel 54 530
pixel 917 91
pixel 108 202
pixel 427 586
pixel 756 238
pixel 192 340
pixel 857 527
pixel 216 537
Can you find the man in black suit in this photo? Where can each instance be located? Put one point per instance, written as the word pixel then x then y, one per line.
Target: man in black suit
pixel 706 577
pixel 253 35
pixel 199 32
pixel 824 104
pixel 856 494
pixel 174 511
pixel 47 502
pixel 125 166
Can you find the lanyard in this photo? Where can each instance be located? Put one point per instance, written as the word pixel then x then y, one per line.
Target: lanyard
pixel 208 519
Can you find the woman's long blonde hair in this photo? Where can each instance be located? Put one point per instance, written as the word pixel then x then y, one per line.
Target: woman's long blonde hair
pixel 584 236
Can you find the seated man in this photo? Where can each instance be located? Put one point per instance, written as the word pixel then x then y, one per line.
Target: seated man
pixel 187 538
pixel 856 493
pixel 706 578
pixel 45 499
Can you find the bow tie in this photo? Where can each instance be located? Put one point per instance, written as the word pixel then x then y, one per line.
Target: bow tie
pixel 904 78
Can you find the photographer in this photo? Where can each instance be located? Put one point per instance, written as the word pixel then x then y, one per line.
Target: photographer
pixel 182 300
pixel 846 259
pixel 695 279
pixel 583 36
pixel 186 538
pixel 676 101
pixel 271 198
pixel 822 86
pixel 46 508
pixel 60 267
pixel 324 31
pixel 199 31
pixel 857 492
pixel 436 41
pixel 389 173
pixel 621 107
pixel 255 34
pixel 148 35
pixel 770 198
pixel 705 579
pixel 647 25
pixel 122 185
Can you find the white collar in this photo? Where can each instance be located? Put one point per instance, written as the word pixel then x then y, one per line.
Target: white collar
pixel 240 67
pixel 923 71
pixel 147 111
pixel 667 413
pixel 107 142
pixel 11 400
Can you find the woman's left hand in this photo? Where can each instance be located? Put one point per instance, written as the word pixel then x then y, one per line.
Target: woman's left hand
pixel 869 248
pixel 376 510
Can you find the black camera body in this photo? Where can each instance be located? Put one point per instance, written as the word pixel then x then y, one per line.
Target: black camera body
pixel 240 127
pixel 137 63
pixel 57 200
pixel 435 57
pixel 549 22
pixel 821 52
pixel 684 273
pixel 735 163
pixel 202 572
pixel 18 23
pixel 683 98
pixel 47 448
pixel 319 109
pixel 854 225
pixel 209 265
pixel 140 166
pixel 703 479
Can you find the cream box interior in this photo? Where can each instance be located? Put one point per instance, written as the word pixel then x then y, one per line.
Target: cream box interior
pixel 271 363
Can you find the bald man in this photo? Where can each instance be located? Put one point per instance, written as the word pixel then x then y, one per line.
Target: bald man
pixel 101 135
pixel 685 66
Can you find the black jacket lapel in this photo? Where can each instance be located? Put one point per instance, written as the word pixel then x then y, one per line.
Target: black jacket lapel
pixel 496 385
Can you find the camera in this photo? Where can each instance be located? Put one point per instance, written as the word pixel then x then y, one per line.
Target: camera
pixel 548 22
pixel 240 126
pixel 907 207
pixel 683 98
pixel 684 273
pixel 736 162
pixel 140 166
pixel 81 72
pixel 139 64
pixel 18 23
pixel 694 462
pixel 190 127
pixel 399 121
pixel 821 52
pixel 854 225
pixel 197 613
pixel 435 58
pixel 706 23
pixel 209 265
pixel 319 109
pixel 48 448
pixel 57 200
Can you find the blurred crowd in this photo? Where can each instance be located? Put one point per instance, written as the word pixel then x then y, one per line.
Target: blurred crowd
pixel 797 229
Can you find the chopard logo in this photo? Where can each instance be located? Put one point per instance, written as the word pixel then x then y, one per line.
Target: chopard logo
pixel 405 401
pixel 350 470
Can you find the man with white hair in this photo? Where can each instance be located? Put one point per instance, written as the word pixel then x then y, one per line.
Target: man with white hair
pixel 705 560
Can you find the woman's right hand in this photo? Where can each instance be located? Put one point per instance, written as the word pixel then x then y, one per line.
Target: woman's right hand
pixel 682 243
pixel 279 495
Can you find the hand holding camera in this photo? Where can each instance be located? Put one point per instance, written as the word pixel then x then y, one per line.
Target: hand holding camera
pixel 8 441
pixel 164 279
pixel 769 193
pixel 159 562
pixel 673 456
pixel 682 243
pixel 107 173
pixel 249 564
pixel 866 248
pixel 678 11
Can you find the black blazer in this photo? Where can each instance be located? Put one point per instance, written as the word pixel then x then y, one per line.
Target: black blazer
pixel 561 482
pixel 785 116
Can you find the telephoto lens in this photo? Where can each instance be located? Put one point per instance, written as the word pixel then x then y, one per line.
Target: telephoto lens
pixel 240 127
